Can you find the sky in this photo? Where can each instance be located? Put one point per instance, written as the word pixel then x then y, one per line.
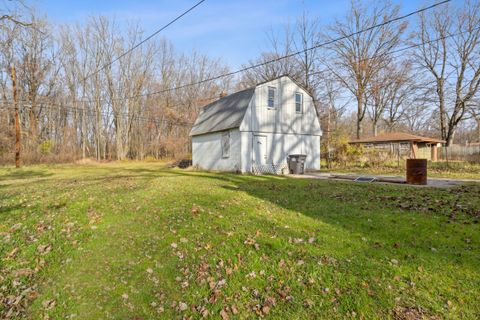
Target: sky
pixel 234 31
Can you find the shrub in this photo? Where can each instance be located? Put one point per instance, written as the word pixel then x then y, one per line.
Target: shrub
pixel 45 147
pixel 150 159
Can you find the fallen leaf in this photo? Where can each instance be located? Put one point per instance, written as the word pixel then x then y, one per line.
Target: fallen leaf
pixel 308 303
pixel 265 309
pixel 48 304
pixel 44 248
pixel 195 210
pixel 182 306
pixel 12 253
pixel 224 314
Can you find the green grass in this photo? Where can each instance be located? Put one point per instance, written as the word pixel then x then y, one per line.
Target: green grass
pixel 140 241
pixel 451 170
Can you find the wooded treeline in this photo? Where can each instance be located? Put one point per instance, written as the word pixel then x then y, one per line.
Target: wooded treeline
pixel 73 104
pixel 420 74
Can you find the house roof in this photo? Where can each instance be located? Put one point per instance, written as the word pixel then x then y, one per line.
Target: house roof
pixel 397 137
pixel 225 113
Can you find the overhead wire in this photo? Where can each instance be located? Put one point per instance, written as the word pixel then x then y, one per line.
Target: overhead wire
pixel 272 60
pixel 144 40
pixel 310 74
pixel 254 66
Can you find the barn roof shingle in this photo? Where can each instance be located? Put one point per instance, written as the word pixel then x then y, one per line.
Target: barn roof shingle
pixel 225 113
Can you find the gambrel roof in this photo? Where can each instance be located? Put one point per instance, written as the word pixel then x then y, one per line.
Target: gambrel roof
pixel 227 112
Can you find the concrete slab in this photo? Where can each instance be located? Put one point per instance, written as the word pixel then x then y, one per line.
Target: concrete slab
pixel 432 182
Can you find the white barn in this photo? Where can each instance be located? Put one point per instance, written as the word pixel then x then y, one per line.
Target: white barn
pixel 254 130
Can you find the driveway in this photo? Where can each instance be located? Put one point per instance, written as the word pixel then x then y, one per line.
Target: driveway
pixel 432 182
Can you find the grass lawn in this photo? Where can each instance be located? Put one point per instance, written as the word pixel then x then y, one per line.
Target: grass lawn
pixel 141 241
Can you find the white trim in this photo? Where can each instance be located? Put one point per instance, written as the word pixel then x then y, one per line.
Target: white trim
pixel 301 102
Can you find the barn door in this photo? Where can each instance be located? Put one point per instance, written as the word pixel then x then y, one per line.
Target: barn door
pixel 260 149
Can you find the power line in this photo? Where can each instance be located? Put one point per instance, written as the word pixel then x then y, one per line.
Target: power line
pixel 216 96
pixel 309 74
pixel 144 40
pixel 296 53
pixel 228 74
pixel 416 45
pixel 92 112
pixel 50 105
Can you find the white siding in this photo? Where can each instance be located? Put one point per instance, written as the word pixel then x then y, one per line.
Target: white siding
pixel 207 152
pixel 279 146
pixel 283 118
pixel 246 151
pixel 287 131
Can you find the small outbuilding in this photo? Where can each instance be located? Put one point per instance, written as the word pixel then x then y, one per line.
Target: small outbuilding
pixel 404 144
pixel 254 130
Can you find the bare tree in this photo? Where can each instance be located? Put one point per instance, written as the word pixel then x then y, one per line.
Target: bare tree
pixel 474 110
pixel 36 61
pixel 402 92
pixel 390 93
pixel 307 32
pixel 449 53
pixel 11 12
pixel 281 45
pixel 334 106
pixel 361 55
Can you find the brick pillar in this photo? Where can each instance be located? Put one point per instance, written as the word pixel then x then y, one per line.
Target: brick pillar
pixel 434 153
pixel 414 150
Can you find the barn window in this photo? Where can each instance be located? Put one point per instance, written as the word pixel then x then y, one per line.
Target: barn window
pixel 271 97
pixel 226 144
pixel 298 102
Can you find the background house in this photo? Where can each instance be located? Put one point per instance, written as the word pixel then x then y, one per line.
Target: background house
pixel 254 130
pixel 404 145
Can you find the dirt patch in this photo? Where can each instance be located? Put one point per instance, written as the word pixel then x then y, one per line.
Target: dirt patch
pixel 86 161
pixel 412 313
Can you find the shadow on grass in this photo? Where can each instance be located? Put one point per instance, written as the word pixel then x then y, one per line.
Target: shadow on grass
pixel 390 231
pixel 16 174
pixel 8 209
pixel 383 224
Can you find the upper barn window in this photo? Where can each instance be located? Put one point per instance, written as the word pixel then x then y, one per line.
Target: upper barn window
pixel 271 97
pixel 298 102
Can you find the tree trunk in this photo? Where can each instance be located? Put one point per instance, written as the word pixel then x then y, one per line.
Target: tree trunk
pixel 359 115
pixel 375 128
pixel 450 136
pixel 441 100
pixel 329 164
pixel 17 118
pixel 478 130
pixel 118 139
pixel 84 132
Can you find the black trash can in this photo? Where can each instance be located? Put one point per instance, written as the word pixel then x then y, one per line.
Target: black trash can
pixel 296 163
